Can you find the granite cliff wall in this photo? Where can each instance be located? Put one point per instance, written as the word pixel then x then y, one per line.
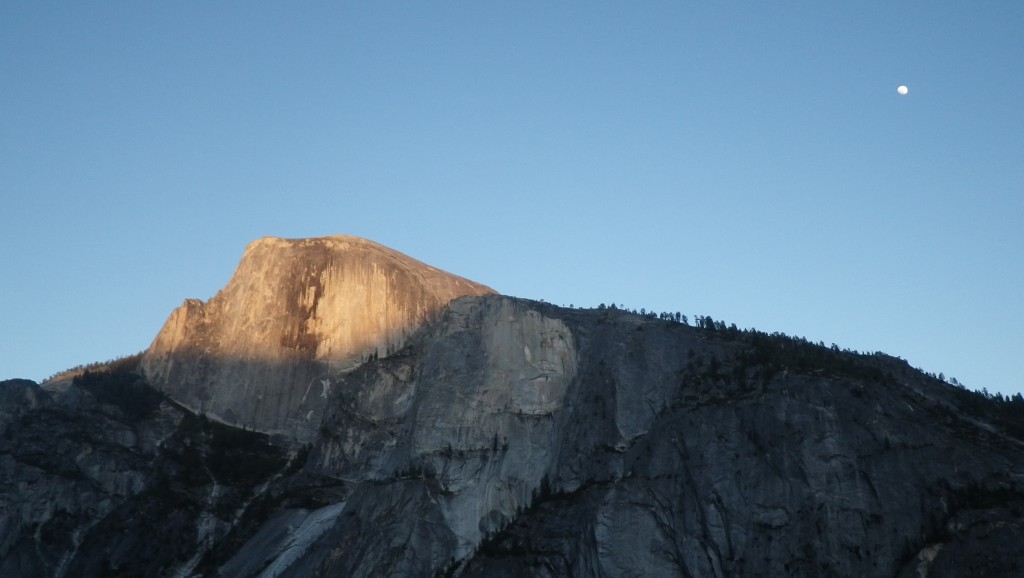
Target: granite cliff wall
pixel 265 351
pixel 514 438
pixel 485 435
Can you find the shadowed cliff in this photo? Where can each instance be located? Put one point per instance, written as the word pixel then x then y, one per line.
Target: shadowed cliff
pixel 557 442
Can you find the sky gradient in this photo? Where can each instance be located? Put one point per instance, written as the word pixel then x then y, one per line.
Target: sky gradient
pixel 750 161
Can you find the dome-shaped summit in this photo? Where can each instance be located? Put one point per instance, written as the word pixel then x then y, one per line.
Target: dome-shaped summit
pixel 264 351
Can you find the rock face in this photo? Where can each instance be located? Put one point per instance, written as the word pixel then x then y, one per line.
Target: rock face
pixel 547 442
pixel 507 437
pixel 67 462
pixel 264 352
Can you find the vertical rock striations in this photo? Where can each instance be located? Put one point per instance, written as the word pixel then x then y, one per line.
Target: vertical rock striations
pixel 496 437
pixel 264 352
pixel 540 441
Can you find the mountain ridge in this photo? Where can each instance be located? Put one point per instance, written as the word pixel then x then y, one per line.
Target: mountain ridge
pixel 509 437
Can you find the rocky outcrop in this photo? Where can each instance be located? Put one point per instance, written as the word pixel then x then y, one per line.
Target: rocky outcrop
pixel 518 439
pixel 66 462
pixel 503 437
pixel 106 477
pixel 265 351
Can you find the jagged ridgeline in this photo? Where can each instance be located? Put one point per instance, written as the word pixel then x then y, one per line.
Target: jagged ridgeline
pixel 487 435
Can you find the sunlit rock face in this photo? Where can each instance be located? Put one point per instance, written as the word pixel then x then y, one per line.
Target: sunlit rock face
pixel 265 351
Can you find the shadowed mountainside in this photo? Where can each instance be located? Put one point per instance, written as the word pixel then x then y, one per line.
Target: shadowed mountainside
pixel 513 438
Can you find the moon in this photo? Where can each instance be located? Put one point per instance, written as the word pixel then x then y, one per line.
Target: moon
pixel 902 90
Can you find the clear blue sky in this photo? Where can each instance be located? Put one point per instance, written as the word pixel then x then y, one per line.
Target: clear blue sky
pixel 747 160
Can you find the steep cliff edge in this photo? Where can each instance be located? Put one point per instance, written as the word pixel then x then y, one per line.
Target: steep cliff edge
pixel 495 436
pixel 264 352
pixel 540 441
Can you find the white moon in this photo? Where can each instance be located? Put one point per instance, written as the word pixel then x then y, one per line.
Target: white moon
pixel 902 89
